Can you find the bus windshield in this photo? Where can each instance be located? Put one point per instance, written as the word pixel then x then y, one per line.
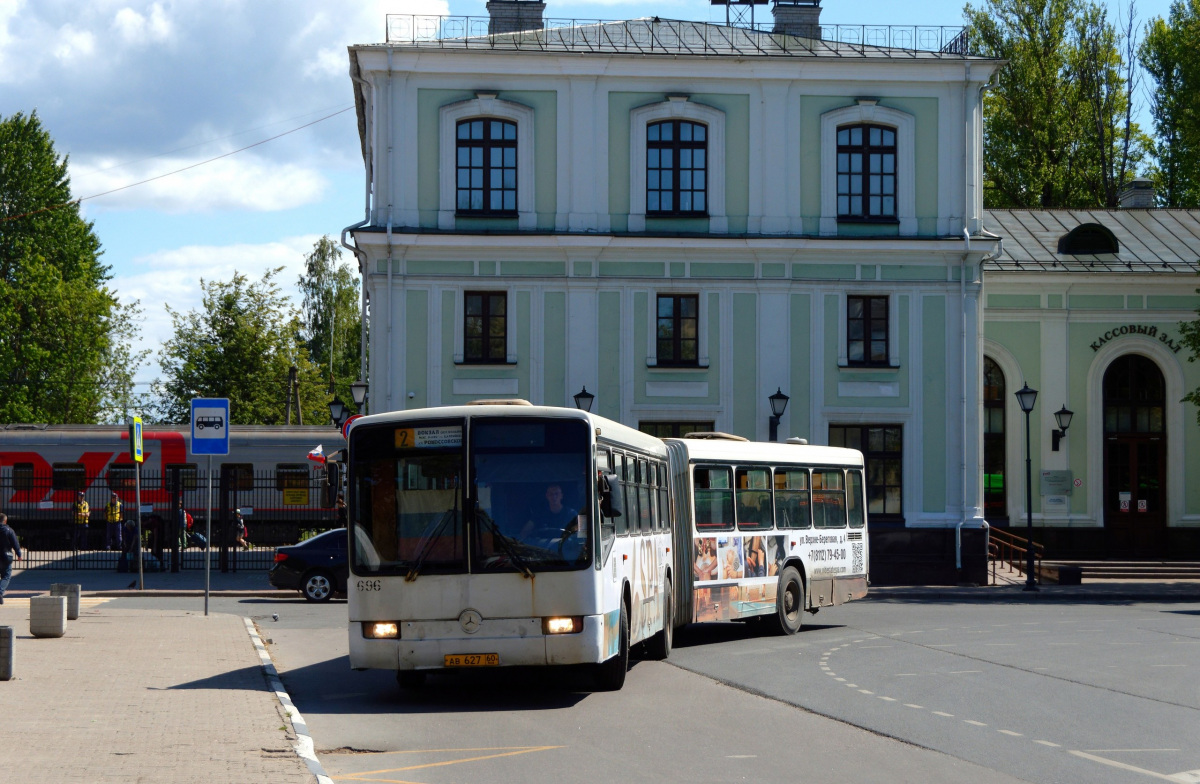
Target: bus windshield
pixel 518 491
pixel 407 498
pixel 530 493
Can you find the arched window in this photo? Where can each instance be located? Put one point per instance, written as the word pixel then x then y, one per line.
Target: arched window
pixel 486 167
pixel 676 168
pixel 995 507
pixel 1134 396
pixel 1088 239
pixel 866 172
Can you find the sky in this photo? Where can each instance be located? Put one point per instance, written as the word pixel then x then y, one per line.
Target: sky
pixel 135 89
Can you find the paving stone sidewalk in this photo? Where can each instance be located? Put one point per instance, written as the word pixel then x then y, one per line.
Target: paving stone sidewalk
pixel 141 696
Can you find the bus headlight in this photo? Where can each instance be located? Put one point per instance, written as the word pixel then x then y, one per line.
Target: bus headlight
pixel 381 630
pixel 568 625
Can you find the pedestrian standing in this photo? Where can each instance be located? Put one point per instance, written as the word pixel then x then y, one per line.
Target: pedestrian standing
pixel 239 529
pixel 342 511
pixel 10 548
pixel 112 523
pixel 82 513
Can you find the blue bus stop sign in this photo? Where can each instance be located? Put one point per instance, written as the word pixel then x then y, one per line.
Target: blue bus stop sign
pixel 210 426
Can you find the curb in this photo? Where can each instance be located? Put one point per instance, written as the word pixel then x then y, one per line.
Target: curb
pixel 1047 594
pixel 304 742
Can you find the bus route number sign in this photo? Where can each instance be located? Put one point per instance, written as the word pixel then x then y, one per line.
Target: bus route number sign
pixel 428 437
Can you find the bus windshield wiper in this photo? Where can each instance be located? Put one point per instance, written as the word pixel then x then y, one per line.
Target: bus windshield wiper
pixel 505 543
pixel 427 543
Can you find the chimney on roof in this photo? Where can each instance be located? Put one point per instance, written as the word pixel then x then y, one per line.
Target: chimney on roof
pixel 514 16
pixel 1137 195
pixel 801 18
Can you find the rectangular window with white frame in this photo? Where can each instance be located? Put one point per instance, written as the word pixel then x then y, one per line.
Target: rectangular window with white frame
pixel 485 327
pixel 882 447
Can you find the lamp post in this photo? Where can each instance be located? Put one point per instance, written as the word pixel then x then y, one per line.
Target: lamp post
pixel 779 403
pixel 583 400
pixel 1063 417
pixel 337 411
pixel 1025 399
pixel 358 391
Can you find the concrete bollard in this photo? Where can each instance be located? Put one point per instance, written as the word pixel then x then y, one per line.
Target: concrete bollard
pixel 7 637
pixel 48 616
pixel 71 591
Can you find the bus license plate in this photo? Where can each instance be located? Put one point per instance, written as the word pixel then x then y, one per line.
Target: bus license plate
pixel 472 660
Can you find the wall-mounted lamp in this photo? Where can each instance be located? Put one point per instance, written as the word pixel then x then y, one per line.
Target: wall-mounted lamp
pixel 779 403
pixel 583 400
pixel 1063 417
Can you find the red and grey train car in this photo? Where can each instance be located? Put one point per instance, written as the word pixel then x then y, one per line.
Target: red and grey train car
pixel 267 473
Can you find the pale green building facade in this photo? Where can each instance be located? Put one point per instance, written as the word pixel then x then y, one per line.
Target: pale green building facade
pixel 563 243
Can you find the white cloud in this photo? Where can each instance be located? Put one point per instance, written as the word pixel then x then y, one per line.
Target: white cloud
pixel 172 277
pixel 73 44
pixel 143 28
pixel 239 182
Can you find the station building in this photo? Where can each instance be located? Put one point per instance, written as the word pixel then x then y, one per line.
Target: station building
pixel 683 219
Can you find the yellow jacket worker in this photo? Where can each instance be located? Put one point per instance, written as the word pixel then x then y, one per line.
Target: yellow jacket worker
pixel 112 520
pixel 82 513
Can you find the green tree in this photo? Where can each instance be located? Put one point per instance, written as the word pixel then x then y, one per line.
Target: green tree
pixel 57 318
pixel 239 344
pixel 1058 128
pixel 1170 55
pixel 1190 337
pixel 331 315
pixel 121 364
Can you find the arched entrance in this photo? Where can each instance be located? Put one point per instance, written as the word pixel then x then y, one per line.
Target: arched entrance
pixel 1135 451
pixel 995 452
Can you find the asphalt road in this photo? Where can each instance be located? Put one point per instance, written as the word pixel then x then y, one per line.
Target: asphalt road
pixel 902 691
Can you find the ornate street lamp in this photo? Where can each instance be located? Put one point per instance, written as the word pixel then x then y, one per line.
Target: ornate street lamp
pixel 779 403
pixel 337 411
pixel 583 400
pixel 358 391
pixel 1063 417
pixel 1025 399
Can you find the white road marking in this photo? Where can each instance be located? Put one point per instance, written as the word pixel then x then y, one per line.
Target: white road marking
pixel 865 691
pixel 888 699
pixel 840 680
pixel 976 723
pixel 965 672
pixel 1048 743
pixel 910 705
pixel 852 685
pixel 941 713
pixel 1190 776
pixel 1014 734
pixel 741 756
pixel 1124 766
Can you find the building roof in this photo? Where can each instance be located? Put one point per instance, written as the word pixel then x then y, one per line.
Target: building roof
pixel 1160 241
pixel 673 37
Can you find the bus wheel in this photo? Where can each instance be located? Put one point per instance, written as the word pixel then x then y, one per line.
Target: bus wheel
pixel 659 646
pixel 789 603
pixel 610 675
pixel 410 679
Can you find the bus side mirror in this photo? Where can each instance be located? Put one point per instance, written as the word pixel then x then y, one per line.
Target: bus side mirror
pixel 332 485
pixel 611 497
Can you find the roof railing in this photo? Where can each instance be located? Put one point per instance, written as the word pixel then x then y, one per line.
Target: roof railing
pixel 672 36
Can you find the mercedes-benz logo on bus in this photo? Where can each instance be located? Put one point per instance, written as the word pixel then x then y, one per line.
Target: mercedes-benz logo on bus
pixel 470 620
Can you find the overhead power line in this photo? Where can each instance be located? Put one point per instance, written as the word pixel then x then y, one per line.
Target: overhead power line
pixel 177 171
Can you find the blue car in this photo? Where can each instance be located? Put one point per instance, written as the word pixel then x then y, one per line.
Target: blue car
pixel 316 567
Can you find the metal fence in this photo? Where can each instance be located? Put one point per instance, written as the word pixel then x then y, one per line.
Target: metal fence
pixel 673 36
pixel 279 508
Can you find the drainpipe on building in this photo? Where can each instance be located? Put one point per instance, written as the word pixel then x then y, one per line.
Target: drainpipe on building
pixel 359 253
pixel 388 344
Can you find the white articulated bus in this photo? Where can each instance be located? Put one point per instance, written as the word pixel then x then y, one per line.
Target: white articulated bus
pixel 502 534
pixel 766 530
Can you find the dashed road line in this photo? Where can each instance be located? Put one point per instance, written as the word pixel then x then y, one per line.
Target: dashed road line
pixel 1014 734
pixel 1048 743
pixel 943 713
pixel 976 723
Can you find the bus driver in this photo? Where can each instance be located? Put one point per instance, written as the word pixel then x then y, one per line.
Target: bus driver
pixel 549 517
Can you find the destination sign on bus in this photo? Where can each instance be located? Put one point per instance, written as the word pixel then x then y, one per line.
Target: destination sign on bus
pixel 428 437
